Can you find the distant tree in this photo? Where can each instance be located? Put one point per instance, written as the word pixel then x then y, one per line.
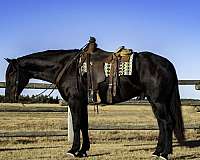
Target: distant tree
pixel 34 99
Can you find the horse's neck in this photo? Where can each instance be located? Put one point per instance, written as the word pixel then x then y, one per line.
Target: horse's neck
pixel 48 76
pixel 43 70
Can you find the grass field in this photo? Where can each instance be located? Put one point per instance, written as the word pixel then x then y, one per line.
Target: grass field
pixel 111 145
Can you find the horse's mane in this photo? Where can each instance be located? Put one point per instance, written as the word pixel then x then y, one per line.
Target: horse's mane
pixel 50 53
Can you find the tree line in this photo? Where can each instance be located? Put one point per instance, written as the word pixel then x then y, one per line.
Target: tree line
pixel 34 99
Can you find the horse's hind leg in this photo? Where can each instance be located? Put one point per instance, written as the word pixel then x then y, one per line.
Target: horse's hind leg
pixel 164 146
pixel 168 126
pixel 84 129
pixel 160 146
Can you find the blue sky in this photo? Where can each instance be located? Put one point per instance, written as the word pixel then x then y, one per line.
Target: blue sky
pixel 169 28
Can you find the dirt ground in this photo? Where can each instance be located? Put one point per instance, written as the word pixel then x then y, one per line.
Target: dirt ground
pixel 111 145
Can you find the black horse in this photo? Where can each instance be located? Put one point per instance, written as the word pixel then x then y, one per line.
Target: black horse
pixel 153 76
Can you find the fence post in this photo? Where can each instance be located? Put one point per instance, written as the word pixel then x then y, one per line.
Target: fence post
pixel 70 127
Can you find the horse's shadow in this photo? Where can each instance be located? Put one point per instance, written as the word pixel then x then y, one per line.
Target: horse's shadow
pixel 100 154
pixel 190 144
pixel 190 156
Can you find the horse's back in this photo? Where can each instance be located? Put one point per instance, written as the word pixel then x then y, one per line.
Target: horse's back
pixel 154 63
pixel 156 73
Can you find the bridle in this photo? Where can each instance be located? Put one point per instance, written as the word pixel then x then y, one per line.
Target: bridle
pixel 58 78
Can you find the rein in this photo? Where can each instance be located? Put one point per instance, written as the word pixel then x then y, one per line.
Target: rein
pixel 67 65
pixel 61 73
pixel 46 90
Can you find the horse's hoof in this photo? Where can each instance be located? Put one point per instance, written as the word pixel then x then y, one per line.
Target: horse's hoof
pixel 154 157
pixel 155 154
pixel 71 154
pixel 163 157
pixel 81 154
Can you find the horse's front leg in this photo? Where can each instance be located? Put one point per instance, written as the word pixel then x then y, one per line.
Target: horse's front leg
pixel 84 129
pixel 75 107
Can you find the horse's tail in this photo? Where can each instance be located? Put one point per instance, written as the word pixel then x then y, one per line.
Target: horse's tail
pixel 175 107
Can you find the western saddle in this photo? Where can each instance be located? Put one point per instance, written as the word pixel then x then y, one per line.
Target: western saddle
pixel 99 64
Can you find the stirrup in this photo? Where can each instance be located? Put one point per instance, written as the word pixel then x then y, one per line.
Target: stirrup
pixel 90 97
pixel 94 98
pixel 98 99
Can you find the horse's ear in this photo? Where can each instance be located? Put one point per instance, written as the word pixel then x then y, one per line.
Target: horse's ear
pixel 8 60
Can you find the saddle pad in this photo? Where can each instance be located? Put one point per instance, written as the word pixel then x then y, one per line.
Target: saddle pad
pixel 124 69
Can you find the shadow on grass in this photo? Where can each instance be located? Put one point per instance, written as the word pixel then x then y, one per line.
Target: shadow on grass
pixel 100 154
pixel 136 145
pixel 190 156
pixel 190 144
pixel 142 149
pixel 27 148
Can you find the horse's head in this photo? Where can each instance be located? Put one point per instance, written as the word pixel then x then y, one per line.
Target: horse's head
pixel 16 80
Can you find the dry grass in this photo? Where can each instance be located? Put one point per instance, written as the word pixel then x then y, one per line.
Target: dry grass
pixel 112 145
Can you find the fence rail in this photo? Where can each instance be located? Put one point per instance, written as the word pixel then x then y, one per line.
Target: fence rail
pixel 189 82
pixel 5 134
pixel 52 86
pixel 23 108
pixel 33 85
